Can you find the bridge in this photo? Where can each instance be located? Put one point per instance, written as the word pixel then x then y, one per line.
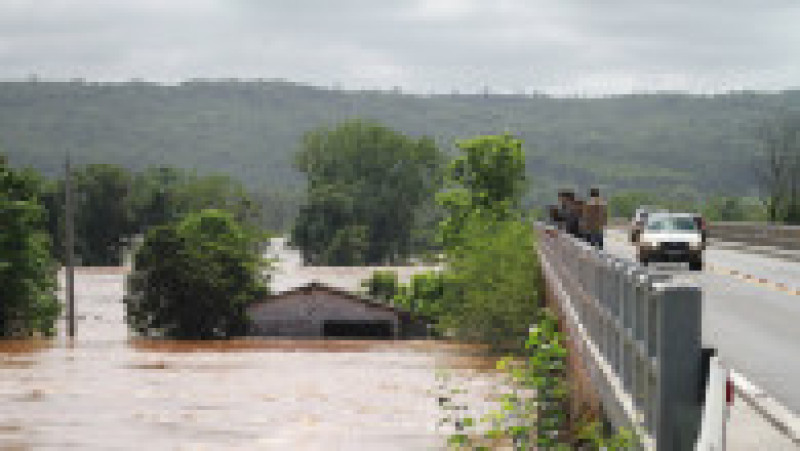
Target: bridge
pixel 662 350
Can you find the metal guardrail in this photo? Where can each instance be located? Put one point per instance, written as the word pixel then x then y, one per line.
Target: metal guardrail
pixel 639 336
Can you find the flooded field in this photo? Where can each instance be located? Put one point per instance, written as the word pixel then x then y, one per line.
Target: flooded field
pixel 105 391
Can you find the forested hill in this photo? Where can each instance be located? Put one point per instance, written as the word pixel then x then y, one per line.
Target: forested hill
pixel 251 129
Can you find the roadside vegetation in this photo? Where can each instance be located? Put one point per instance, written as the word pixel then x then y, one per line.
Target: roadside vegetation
pixel 622 204
pixel 489 292
pixel 778 167
pixel 532 411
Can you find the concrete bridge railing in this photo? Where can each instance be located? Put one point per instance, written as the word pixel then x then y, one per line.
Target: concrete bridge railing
pixel 635 336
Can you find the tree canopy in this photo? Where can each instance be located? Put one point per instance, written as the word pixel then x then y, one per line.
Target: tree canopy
pixel 487 178
pixel 195 278
pixel 112 204
pixel 778 166
pixel 489 288
pixel 367 188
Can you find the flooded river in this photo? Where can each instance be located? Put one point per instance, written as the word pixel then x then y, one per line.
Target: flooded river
pixel 104 391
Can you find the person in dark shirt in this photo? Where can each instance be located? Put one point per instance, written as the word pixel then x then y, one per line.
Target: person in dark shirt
pixel 566 211
pixel 595 218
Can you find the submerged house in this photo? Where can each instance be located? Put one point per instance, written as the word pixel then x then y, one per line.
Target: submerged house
pixel 318 310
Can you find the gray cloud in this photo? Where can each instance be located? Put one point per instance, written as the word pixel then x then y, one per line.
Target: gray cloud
pixel 560 46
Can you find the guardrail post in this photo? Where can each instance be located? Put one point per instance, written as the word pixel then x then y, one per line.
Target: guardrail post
pixel 679 361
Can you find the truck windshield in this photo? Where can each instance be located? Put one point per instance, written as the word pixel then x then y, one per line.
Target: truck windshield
pixel 672 224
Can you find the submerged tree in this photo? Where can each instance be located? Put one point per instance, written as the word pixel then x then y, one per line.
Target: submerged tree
pixel 113 204
pixel 28 304
pixel 367 187
pixel 103 217
pixel 195 279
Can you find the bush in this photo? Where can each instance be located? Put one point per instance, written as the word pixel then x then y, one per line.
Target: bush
pixel 425 294
pixel 382 285
pixel 493 282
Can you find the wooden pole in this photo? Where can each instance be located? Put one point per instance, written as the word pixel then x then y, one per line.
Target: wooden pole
pixel 70 249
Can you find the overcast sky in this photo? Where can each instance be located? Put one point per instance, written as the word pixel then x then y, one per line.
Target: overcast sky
pixel 555 46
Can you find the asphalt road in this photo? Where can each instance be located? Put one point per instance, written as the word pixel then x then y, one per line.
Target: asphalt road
pixel 751 314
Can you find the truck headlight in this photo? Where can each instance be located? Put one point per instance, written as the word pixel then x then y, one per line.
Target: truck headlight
pixel 696 246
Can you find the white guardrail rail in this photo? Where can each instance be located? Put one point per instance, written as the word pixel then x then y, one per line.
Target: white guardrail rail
pixel 638 335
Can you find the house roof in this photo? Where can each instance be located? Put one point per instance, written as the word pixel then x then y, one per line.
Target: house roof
pixel 318 286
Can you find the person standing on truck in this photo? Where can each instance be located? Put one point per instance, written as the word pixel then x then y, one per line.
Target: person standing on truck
pixel 595 218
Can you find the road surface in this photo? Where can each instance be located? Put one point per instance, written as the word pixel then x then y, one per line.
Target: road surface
pixel 751 314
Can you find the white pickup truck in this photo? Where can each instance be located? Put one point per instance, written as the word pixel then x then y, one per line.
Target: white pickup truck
pixel 671 237
pixel 640 218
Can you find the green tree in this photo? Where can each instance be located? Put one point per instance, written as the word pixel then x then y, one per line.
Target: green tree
pixel 493 282
pixel 490 285
pixel 382 285
pixel 425 294
pixel 112 204
pixel 28 304
pixel 164 194
pixel 103 216
pixel 722 208
pixel 778 167
pixel 195 279
pixel 349 247
pixel 488 178
pixel 154 198
pixel 325 224
pixel 367 187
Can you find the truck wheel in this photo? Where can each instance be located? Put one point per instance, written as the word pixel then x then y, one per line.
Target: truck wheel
pixel 696 265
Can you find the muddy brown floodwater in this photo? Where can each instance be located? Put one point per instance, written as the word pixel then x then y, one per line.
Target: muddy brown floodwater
pixel 105 391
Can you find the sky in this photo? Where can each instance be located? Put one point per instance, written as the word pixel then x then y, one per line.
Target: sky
pixel 558 47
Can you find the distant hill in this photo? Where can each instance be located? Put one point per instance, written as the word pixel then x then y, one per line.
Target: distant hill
pixel 250 130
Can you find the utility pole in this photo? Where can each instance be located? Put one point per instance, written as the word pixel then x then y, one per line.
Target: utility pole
pixel 69 240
